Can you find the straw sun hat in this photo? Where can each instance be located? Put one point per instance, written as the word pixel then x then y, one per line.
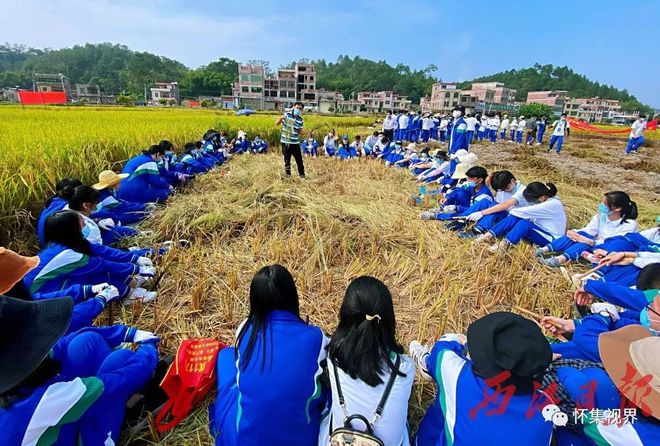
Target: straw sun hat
pixel 108 178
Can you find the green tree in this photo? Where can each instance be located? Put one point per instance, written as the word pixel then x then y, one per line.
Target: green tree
pixel 538 110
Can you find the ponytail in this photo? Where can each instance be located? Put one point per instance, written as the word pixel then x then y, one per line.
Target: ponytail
pixel 83 194
pixel 620 199
pixel 153 150
pixel 536 190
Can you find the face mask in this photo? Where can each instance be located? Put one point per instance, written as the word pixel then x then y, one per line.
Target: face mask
pixel 603 209
pixel 469 184
pixel 296 112
pixel 456 114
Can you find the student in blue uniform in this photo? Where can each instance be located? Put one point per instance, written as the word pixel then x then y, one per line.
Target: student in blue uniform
pixel 310 147
pixel 276 362
pixel 63 188
pixel 509 195
pixel 109 206
pixel 241 144
pixel 477 192
pixel 508 353
pixel 543 221
pixel 370 143
pixel 543 123
pixel 363 356
pixel 560 129
pixel 458 136
pixel 144 183
pixel 167 165
pixel 344 148
pixel 191 165
pixel 616 216
pixel 89 300
pixel 329 143
pixel 70 390
pixel 259 145
pixel 356 149
pixel 105 231
pixel 69 259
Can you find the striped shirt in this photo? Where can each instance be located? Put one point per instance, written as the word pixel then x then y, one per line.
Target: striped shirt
pixel 291 127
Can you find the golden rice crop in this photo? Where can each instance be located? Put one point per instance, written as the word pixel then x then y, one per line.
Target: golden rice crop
pixel 42 145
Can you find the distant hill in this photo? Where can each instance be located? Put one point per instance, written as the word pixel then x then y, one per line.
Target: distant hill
pixel 548 77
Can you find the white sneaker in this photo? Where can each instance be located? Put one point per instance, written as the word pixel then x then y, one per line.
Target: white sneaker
pixel 419 353
pixel 599 307
pixel 140 294
pixel 141 281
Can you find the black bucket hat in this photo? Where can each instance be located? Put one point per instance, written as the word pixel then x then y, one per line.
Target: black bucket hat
pixel 28 330
pixel 506 342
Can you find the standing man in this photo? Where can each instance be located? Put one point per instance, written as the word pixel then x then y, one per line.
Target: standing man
pixel 292 124
pixel 504 126
pixel 560 129
pixel 403 125
pixel 471 122
pixel 636 135
pixel 541 130
pixel 531 131
pixel 389 125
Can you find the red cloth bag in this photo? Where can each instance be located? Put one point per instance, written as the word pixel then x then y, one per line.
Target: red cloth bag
pixel 190 377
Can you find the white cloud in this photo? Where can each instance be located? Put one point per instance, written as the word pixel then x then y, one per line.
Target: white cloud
pixel 159 27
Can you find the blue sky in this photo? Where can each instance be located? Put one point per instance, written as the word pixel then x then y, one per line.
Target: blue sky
pixel 613 42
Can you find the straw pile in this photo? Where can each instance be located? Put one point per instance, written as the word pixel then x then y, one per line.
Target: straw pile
pixel 345 220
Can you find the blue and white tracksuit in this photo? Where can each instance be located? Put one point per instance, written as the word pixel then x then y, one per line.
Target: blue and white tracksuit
pixel 310 147
pixel 284 372
pixel 144 183
pixel 539 223
pixel 259 146
pixel 56 204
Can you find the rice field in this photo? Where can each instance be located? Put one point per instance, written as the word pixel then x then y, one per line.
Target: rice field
pixel 42 145
pixel 345 220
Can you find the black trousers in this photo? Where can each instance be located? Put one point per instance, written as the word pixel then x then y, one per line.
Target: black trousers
pixel 293 150
pixel 390 134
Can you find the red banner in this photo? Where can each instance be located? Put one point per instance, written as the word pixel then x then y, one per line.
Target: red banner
pixel 42 98
pixel 581 125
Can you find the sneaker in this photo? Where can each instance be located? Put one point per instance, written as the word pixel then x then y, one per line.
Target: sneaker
pixel 484 237
pixel 140 294
pixel 419 353
pixel 600 307
pixel 501 247
pixel 427 216
pixel 540 252
pixel 141 281
pixel 455 225
pixel 552 262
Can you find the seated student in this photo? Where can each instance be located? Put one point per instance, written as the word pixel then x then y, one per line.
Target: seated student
pixel 474 195
pixel 363 356
pixel 106 231
pixel 343 151
pixel 420 162
pixel 543 221
pixel 259 145
pixel 66 390
pixel 329 143
pixel 89 300
pixel 396 153
pixel 616 216
pixel 210 151
pixel 191 165
pixel 144 183
pixel 69 259
pixel 382 147
pixel 63 190
pixel 356 148
pixel 436 169
pixel 509 195
pixel 410 155
pixel 109 206
pixel 168 169
pixel 507 354
pixel 241 144
pixel 310 147
pixel 276 363
pixel 370 143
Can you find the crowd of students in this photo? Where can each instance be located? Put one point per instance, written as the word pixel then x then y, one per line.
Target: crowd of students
pixel 285 381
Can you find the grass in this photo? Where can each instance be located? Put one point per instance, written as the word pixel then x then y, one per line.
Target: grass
pixel 347 219
pixel 42 145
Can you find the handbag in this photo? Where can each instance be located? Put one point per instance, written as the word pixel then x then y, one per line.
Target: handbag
pixel 190 377
pixel 347 435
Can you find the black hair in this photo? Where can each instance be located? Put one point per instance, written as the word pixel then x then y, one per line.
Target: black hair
pixel 64 189
pixel 154 150
pixel 189 147
pixel 385 139
pixel 298 103
pixel 166 145
pixel 83 194
pixel 358 137
pixel 208 133
pixel 375 133
pixel 198 144
pixel 477 172
pixel 536 190
pixel 620 199
pixel 63 228
pixel 272 288
pixel 441 154
pixel 649 277
pixel 642 116
pixel 501 179
pixel 359 346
